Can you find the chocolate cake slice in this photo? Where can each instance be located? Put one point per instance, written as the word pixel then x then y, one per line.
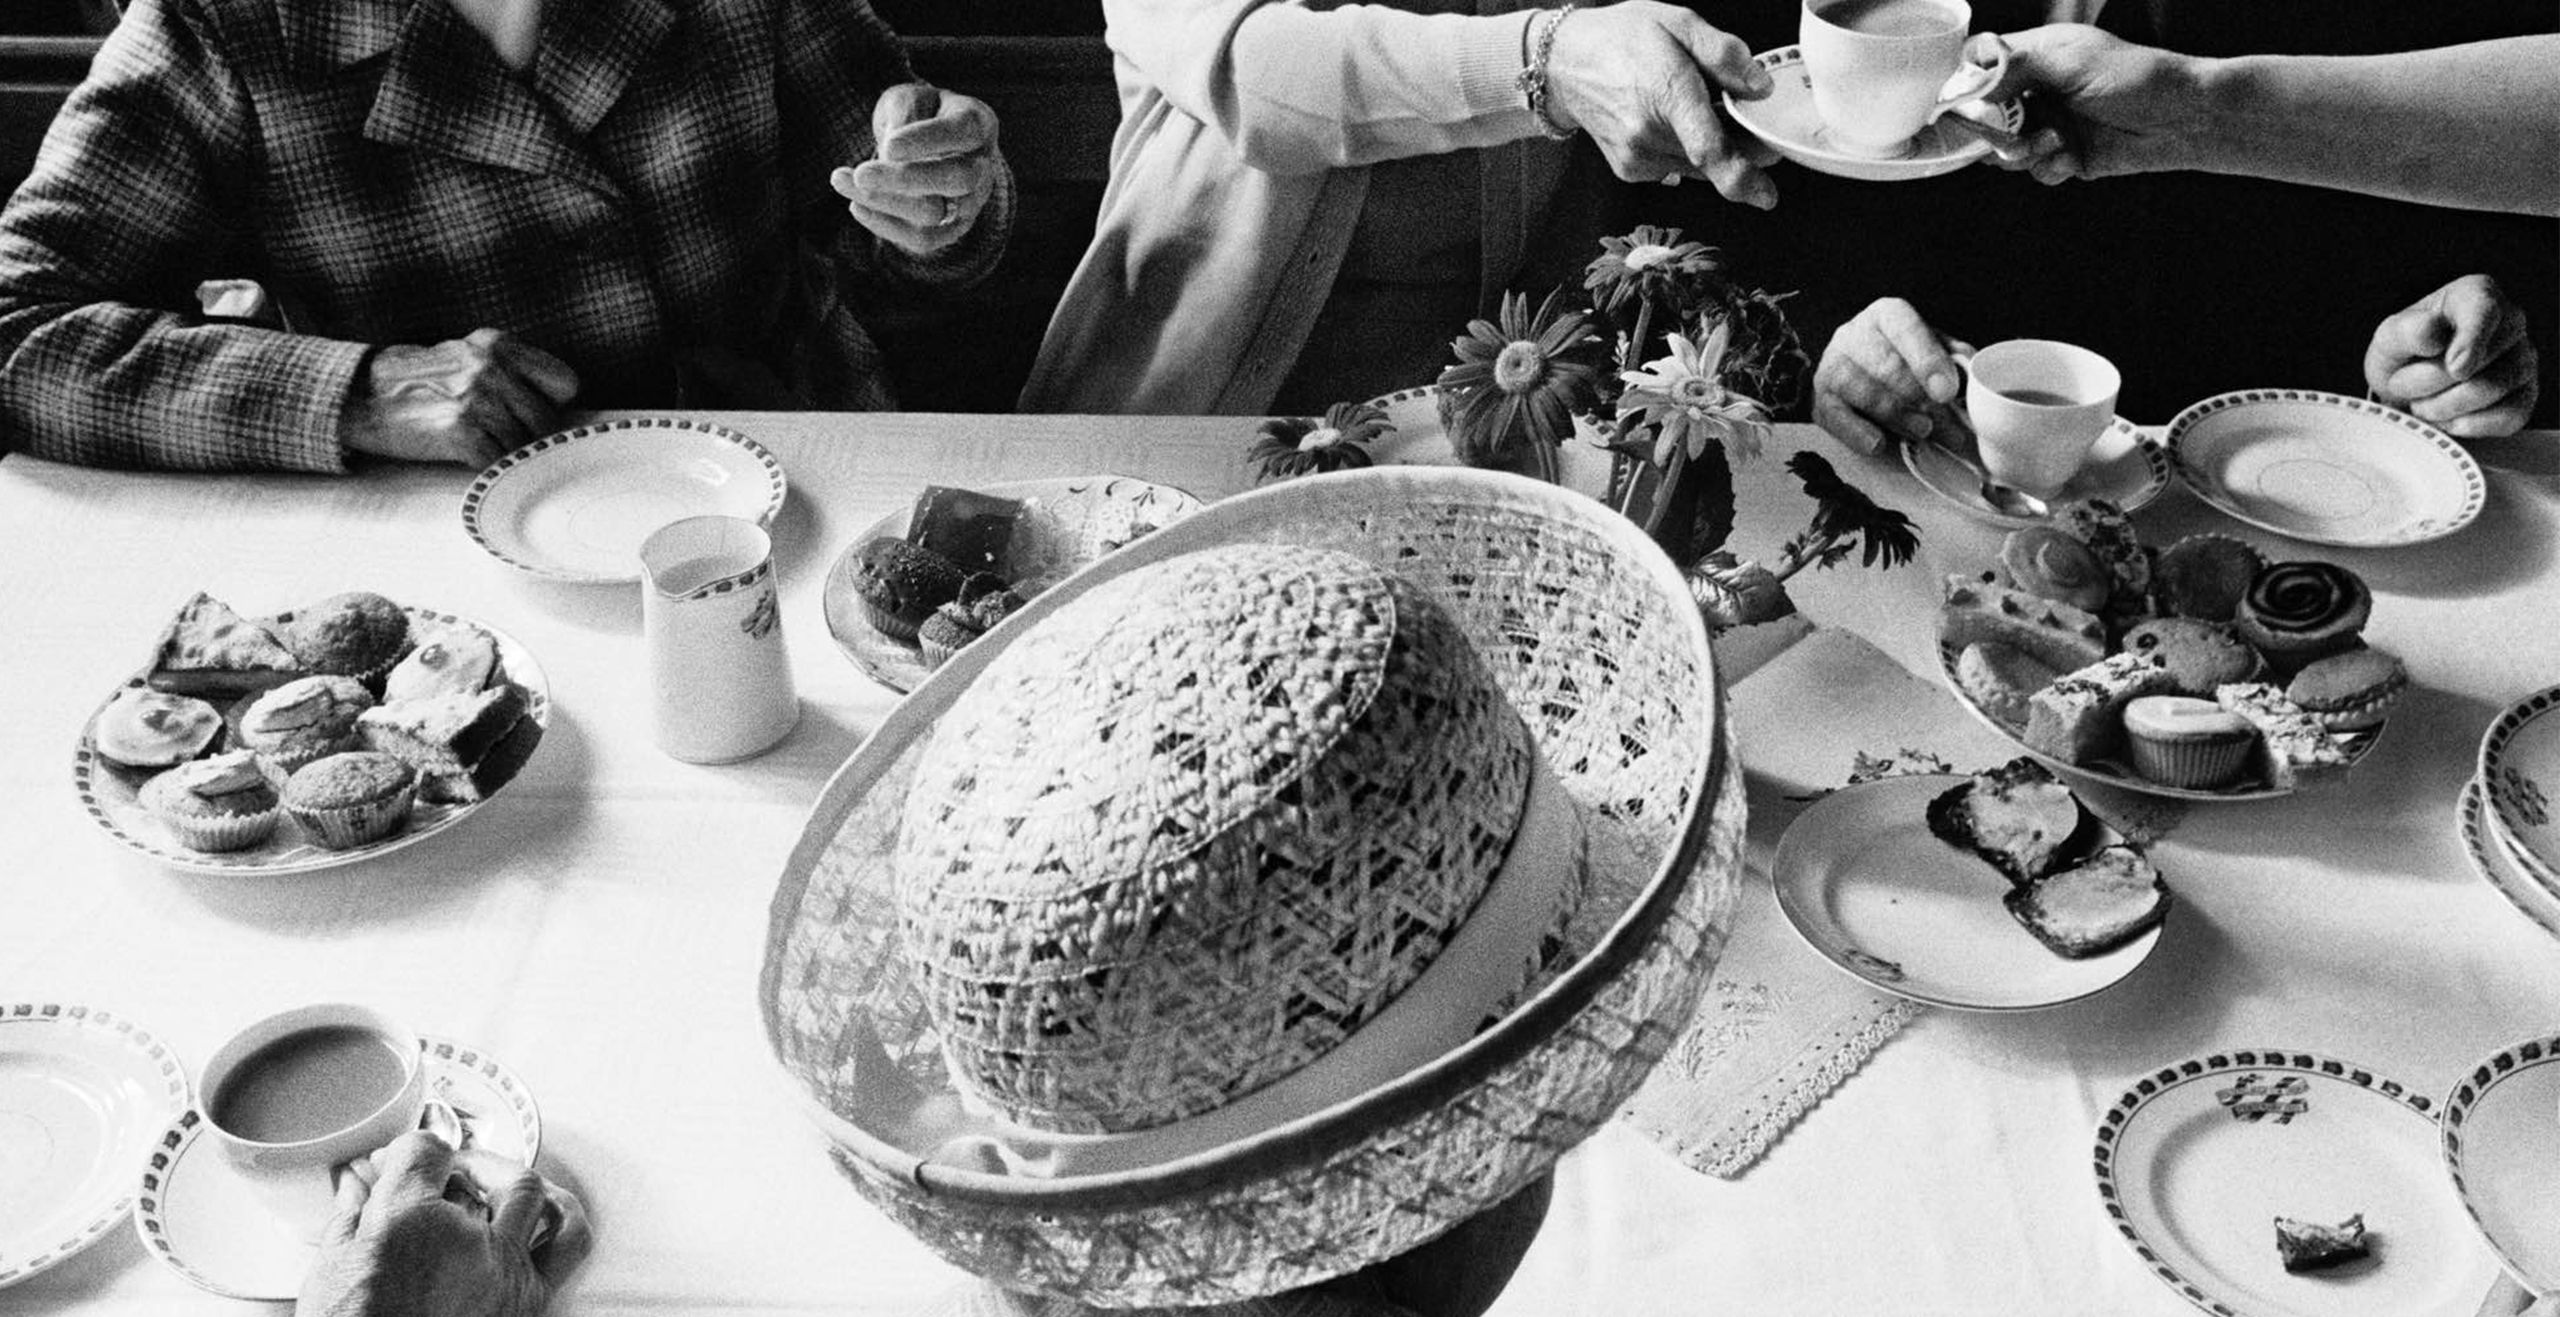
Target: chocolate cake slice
pixel 2017 816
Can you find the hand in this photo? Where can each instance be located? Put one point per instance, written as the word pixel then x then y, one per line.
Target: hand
pixel 2101 106
pixel 469 400
pixel 933 171
pixel 423 1231
pixel 2458 359
pixel 1641 77
pixel 1886 374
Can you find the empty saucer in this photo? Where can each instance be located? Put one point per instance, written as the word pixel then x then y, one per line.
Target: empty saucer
pixel 82 1093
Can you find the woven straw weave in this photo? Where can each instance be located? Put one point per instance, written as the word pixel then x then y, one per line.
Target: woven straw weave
pixel 1588 629
pixel 1192 831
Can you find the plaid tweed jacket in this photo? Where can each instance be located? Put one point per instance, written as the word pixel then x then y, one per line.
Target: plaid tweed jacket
pixel 650 192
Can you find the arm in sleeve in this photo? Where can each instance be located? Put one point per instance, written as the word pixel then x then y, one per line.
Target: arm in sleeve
pixel 1299 89
pixel 137 182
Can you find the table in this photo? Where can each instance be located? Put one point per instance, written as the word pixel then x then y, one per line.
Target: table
pixel 601 924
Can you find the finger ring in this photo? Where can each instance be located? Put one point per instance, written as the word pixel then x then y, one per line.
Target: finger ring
pixel 950 213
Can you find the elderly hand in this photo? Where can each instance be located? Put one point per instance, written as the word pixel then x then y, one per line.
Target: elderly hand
pixel 2101 106
pixel 935 168
pixel 2457 359
pixel 1641 77
pixel 424 1231
pixel 469 400
pixel 1886 374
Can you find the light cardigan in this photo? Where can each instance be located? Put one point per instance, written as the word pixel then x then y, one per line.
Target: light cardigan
pixel 1239 170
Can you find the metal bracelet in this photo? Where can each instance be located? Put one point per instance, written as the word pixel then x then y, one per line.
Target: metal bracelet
pixel 1533 71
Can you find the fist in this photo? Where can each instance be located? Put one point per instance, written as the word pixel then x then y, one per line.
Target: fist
pixel 932 173
pixel 469 400
pixel 2457 359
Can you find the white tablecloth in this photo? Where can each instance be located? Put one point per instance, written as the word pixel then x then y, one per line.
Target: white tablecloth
pixel 599 926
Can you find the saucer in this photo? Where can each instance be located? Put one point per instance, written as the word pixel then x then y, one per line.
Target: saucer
pixel 2519 771
pixel 2126 467
pixel 2500 1143
pixel 83 1092
pixel 2495 861
pixel 575 506
pixel 2326 468
pixel 207 1221
pixel 1785 119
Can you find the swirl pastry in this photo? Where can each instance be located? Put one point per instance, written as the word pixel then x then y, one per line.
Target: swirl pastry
pixel 2296 612
pixel 2052 565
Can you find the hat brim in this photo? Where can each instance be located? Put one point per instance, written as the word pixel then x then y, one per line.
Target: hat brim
pixel 1591 631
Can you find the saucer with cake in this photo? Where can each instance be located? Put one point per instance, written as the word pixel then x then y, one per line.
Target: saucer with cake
pixel 2200 669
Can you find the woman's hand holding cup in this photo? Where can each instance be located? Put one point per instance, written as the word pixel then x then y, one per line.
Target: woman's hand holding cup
pixel 1641 77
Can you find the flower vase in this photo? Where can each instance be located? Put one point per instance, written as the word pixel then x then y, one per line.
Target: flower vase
pixel 1687 506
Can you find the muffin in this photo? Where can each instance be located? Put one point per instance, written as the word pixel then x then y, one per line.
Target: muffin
pixel 2201 656
pixel 358 634
pixel 2299 612
pixel 2204 576
pixel 2349 692
pixel 2179 741
pixel 219 804
pixel 900 584
pixel 304 719
pixel 2052 565
pixel 349 799
pixel 146 729
pixel 983 602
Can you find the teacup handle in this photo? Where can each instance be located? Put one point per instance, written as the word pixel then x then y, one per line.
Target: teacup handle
pixel 1973 81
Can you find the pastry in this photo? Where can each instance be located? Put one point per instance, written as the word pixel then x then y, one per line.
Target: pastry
pixel 2201 656
pixel 211 651
pixel 2296 612
pixel 219 804
pixel 966 528
pixel 2349 692
pixel 358 634
pixel 2204 576
pixel 2092 907
pixel 2294 749
pixel 456 658
pixel 304 719
pixel 1979 611
pixel 2079 719
pixel 350 799
pixel 983 602
pixel 900 585
pixel 2051 564
pixel 2017 816
pixel 2311 1246
pixel 2180 741
pixel 2001 679
pixel 447 738
pixel 2103 527
pixel 143 728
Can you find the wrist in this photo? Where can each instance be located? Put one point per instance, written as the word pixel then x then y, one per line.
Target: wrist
pixel 1536 82
pixel 2221 106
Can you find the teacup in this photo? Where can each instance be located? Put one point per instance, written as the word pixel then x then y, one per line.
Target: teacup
pixel 2038 408
pixel 292 1097
pixel 1882 70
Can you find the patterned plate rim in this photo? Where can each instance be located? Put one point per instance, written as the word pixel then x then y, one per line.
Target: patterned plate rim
pixel 2492 772
pixel 182 1132
pixel 777 486
pixel 178 1088
pixel 2013 116
pixel 2155 478
pixel 2458 1105
pixel 2475 485
pixel 521 667
pixel 2471 818
pixel 2121 1113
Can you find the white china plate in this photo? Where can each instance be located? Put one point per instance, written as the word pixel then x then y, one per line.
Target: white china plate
pixel 2494 860
pixel 575 506
pixel 2117 773
pixel 2126 467
pixel 208 1222
pixel 2326 468
pixel 83 1092
pixel 2198 1159
pixel 2501 1136
pixel 112 795
pixel 2519 769
pixel 1868 886
pixel 1785 119
pixel 1066 523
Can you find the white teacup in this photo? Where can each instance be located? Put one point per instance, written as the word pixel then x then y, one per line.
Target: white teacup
pixel 1882 70
pixel 2038 408
pixel 292 1097
pixel 719 676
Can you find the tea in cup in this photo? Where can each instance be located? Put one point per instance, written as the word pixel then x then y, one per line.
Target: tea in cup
pixel 1881 70
pixel 2038 408
pixel 292 1097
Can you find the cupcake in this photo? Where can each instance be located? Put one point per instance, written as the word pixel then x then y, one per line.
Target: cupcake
pixel 146 729
pixel 359 634
pixel 219 804
pixel 900 585
pixel 2201 656
pixel 346 800
pixel 2178 741
pixel 304 719
pixel 2349 692
pixel 2297 612
pixel 983 602
pixel 2204 576
pixel 2050 564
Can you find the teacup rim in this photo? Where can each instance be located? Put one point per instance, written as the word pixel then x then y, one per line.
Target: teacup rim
pixel 227 1057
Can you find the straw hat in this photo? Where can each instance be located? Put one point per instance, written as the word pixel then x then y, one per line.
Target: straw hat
pixel 925 978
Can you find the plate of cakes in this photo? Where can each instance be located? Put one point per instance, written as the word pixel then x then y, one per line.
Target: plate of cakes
pixel 2199 670
pixel 321 735
pixel 917 586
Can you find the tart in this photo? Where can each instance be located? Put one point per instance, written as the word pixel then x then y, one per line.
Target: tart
pixel 148 729
pixel 211 651
pixel 455 658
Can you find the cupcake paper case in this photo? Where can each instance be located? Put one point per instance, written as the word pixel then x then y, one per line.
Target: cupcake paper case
pixel 1590 633
pixel 347 800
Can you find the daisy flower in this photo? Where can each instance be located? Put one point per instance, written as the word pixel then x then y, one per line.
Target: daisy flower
pixel 1684 396
pixel 1518 381
pixel 1301 445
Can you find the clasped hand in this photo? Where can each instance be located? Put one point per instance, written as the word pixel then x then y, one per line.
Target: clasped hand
pixel 932 172
pixel 422 1230
pixel 470 400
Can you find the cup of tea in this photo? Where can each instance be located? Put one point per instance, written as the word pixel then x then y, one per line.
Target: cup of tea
pixel 719 677
pixel 2038 408
pixel 1881 70
pixel 292 1097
